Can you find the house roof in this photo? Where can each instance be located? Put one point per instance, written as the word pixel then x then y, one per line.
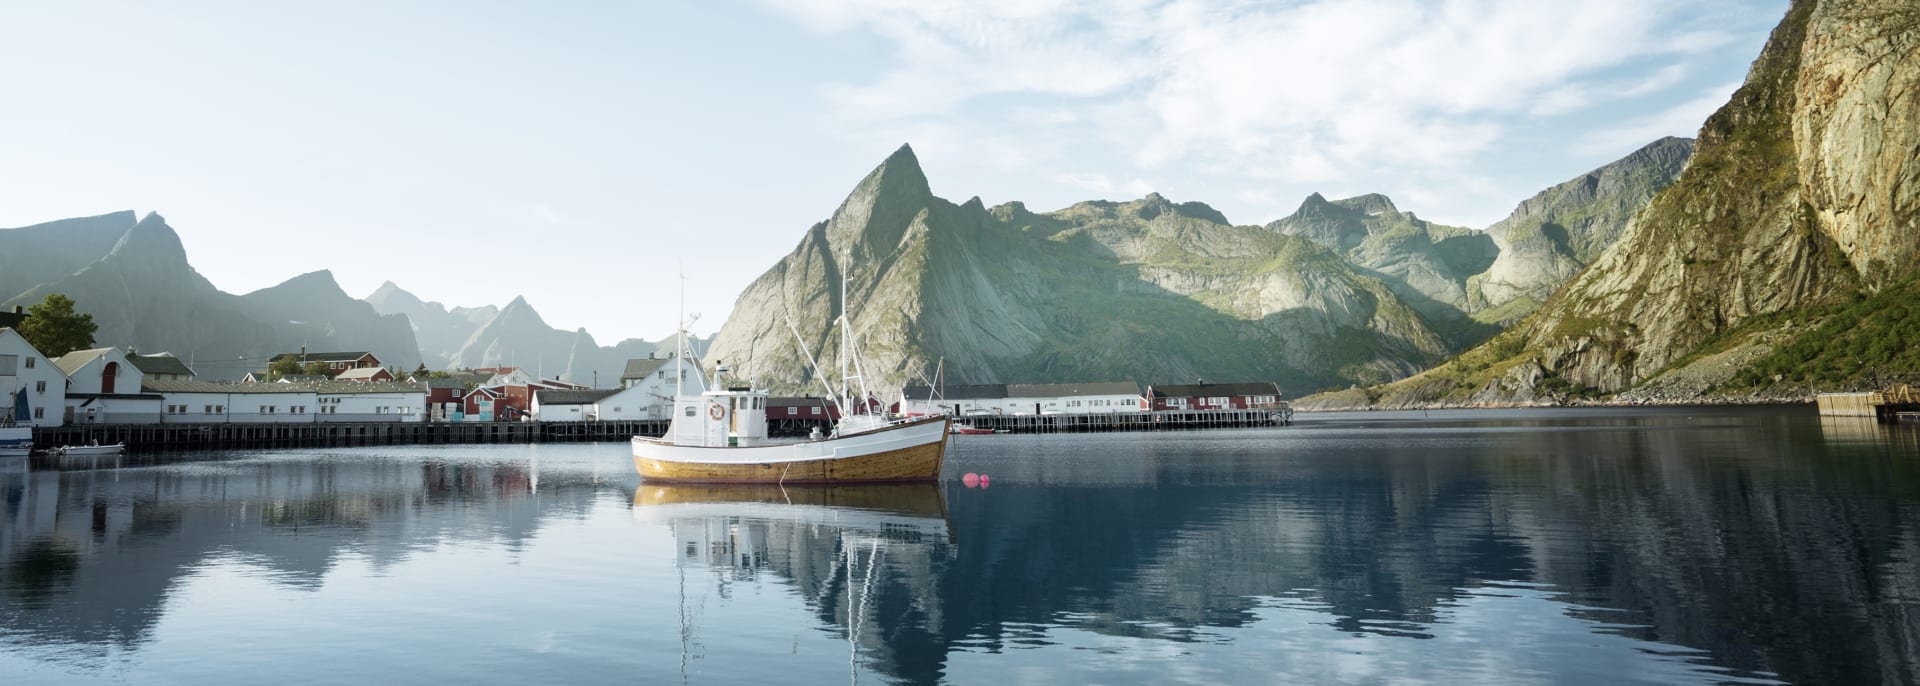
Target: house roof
pixel 188 386
pixel 1214 390
pixel 73 361
pixel 324 357
pixel 161 363
pixel 300 378
pixel 363 373
pixel 453 382
pixel 1072 390
pixel 992 391
pixel 361 387
pixel 641 367
pixel 572 397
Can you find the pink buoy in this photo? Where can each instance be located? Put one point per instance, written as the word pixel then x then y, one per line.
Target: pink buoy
pixel 983 481
pixel 971 479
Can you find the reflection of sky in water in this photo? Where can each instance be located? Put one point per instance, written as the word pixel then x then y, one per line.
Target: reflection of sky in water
pixel 1683 547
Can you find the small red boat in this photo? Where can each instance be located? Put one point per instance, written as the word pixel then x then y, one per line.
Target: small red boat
pixel 959 428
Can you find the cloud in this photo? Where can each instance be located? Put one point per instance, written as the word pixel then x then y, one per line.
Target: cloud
pixel 1683 119
pixel 1296 92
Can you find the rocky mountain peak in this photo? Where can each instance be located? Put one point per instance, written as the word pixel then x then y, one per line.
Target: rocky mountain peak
pixel 1370 204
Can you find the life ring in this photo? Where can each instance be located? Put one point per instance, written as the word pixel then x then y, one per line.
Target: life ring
pixel 715 411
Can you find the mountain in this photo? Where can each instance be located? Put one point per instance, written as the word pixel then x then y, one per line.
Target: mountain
pixel 1148 290
pixel 1427 265
pixel 1782 259
pixel 1551 236
pixel 312 311
pixel 1337 293
pixel 440 331
pixel 142 293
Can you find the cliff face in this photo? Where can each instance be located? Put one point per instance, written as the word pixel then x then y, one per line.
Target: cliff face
pixel 1551 236
pixel 1856 132
pixel 1799 197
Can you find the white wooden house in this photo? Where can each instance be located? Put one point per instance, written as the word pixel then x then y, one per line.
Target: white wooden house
pixel 648 385
pixel 204 402
pixel 103 387
pixel 24 368
pixel 568 405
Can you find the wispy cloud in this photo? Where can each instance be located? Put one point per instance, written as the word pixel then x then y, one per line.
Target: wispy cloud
pixel 1297 92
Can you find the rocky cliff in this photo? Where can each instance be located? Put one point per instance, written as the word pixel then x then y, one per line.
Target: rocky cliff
pixel 1799 200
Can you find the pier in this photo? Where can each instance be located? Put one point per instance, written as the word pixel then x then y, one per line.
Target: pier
pixel 1166 420
pixel 155 437
pixel 1901 402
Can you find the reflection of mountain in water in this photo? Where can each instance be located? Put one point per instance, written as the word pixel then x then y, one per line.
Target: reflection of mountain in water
pixel 1646 539
pixel 89 557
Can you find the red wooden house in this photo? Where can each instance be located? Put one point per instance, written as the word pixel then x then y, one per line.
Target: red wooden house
pixel 1214 396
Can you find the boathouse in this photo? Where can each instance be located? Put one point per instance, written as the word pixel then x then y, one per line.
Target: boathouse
pixel 103 387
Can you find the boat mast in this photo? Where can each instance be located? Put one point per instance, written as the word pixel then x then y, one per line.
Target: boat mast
pixel 846 339
pixel 679 371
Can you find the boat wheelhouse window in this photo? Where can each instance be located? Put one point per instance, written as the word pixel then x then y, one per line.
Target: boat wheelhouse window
pixel 689 410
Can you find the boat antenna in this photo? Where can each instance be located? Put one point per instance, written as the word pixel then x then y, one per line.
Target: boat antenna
pixel 679 369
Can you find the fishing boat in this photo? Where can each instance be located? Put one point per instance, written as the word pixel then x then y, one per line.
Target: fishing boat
pixel 89 450
pixel 720 436
pixel 969 430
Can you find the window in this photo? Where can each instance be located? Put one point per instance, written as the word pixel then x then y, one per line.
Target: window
pixel 39 386
pixel 219 408
pixel 39 413
pixel 207 410
pixel 689 410
pixel 816 409
pixel 616 408
pixel 29 361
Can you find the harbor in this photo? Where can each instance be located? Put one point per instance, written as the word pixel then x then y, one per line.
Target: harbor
pixel 159 437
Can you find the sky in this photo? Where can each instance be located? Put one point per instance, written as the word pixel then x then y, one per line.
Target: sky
pixel 582 154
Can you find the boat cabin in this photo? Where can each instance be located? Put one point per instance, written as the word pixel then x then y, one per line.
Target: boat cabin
pixel 734 417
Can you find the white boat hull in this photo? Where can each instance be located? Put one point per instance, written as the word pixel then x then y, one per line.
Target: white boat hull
pixel 910 451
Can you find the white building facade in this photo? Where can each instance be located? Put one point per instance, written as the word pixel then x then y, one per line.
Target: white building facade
pixel 103 387
pixel 23 367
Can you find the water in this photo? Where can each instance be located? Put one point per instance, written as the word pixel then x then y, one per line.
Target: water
pixel 1601 546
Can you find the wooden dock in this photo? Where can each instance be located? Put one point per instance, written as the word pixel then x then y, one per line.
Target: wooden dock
pixel 1167 420
pixel 1885 406
pixel 156 437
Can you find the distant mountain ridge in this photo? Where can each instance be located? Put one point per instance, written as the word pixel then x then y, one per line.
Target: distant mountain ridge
pixel 515 335
pixel 142 293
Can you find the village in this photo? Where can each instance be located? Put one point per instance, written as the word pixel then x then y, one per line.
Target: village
pixel 111 386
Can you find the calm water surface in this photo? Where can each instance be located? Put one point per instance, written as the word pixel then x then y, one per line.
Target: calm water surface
pixel 1551 546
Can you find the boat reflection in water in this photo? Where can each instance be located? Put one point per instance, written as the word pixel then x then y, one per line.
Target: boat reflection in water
pixel 846 549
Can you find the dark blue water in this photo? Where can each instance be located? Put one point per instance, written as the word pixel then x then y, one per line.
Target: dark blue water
pixel 1552 546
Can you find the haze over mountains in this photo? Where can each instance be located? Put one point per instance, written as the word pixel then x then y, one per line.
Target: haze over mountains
pixel 131 273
